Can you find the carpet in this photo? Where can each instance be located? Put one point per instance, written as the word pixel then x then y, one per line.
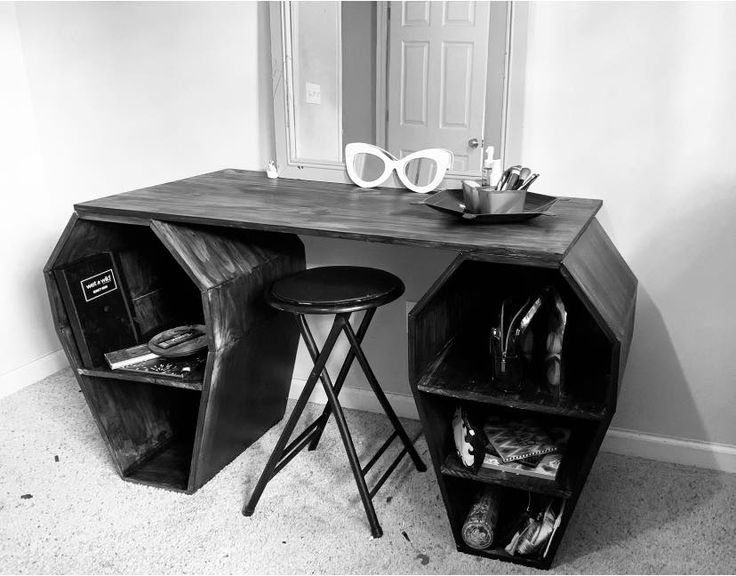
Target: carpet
pixel 63 509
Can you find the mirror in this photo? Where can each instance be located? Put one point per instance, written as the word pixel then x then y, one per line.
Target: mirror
pixel 404 76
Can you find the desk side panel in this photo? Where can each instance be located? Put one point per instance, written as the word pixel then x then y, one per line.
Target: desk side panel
pixel 605 283
pixel 252 352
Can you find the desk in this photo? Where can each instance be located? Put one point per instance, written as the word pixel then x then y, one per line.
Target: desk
pixel 245 199
pixel 218 239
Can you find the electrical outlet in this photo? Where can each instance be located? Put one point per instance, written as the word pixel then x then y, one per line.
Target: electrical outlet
pixel 409 306
pixel 314 93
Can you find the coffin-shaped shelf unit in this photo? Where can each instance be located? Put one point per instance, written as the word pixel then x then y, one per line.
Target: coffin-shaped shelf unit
pixel 160 430
pixel 449 341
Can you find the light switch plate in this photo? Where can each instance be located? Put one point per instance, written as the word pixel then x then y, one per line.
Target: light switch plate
pixel 314 93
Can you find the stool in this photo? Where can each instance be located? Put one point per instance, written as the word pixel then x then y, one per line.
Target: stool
pixel 338 290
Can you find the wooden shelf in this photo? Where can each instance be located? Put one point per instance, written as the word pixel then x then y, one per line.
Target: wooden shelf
pixel 559 487
pixel 161 430
pixel 168 467
pixel 192 383
pixel 501 554
pixel 463 373
pixel 450 366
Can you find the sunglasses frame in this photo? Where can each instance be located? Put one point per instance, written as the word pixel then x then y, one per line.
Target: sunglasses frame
pixel 443 158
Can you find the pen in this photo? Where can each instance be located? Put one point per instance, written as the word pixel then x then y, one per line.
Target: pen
pixel 523 175
pixel 527 183
pixel 513 178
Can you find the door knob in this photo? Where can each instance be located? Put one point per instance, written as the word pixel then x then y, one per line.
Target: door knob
pixel 473 142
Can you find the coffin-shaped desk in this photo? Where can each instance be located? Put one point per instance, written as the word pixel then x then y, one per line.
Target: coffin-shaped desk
pixel 204 249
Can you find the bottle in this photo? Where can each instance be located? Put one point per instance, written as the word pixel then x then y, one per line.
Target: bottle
pixel 271 170
pixel 487 166
pixel 479 528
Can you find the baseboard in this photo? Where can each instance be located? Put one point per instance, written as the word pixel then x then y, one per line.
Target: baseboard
pixel 32 372
pixel 670 449
pixel 720 457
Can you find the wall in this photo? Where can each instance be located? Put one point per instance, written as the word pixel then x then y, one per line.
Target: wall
pixel 633 103
pixel 99 98
pixel 612 107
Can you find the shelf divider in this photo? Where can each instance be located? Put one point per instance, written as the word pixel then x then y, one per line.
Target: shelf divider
pixel 501 554
pixel 463 376
pixel 189 384
pixel 559 487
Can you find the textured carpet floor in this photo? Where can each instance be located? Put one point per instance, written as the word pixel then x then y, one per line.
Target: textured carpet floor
pixel 635 516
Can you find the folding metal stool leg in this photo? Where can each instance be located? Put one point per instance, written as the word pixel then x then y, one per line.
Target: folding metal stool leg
pixel 360 334
pixel 278 450
pixel 378 391
pixel 350 448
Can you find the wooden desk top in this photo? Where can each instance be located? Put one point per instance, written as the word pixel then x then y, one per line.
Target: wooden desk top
pixel 247 199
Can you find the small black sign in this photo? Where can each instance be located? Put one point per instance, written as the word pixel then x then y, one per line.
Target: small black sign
pixel 98 285
pixel 99 324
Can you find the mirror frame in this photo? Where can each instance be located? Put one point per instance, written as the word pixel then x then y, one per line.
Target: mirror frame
pixel 513 34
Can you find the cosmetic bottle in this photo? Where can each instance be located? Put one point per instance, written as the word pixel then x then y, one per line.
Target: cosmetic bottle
pixel 487 166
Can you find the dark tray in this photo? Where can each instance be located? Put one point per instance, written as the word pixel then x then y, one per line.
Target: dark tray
pixel 451 202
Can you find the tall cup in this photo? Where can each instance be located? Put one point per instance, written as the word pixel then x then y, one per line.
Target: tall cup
pixel 480 200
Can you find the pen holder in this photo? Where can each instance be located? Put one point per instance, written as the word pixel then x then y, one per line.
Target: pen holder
pixel 484 200
pixel 505 201
pixel 507 367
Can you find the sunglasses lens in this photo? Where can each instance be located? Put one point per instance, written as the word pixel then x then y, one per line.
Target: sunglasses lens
pixel 421 171
pixel 368 167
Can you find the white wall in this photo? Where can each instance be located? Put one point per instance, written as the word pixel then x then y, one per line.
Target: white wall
pixel 99 98
pixel 634 103
pixel 103 98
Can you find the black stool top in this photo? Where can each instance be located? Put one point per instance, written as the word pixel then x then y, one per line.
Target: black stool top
pixel 335 289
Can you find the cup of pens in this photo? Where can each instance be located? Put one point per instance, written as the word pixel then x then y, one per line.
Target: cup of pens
pixel 487 200
pixel 500 192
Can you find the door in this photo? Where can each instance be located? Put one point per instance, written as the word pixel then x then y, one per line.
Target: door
pixel 437 78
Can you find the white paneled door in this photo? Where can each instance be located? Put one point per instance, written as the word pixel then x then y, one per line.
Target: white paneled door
pixel 437 78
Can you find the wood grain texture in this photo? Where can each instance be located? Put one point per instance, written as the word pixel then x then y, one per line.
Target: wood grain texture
pixel 249 260
pixel 83 238
pixel 450 366
pixel 122 376
pixel 466 376
pixel 247 199
pixel 595 438
pixel 560 487
pixel 212 256
pixel 133 415
pixel 247 394
pixel 434 322
pixel 603 280
pixel 167 466
pixel 252 353
pixel 202 222
pixel 603 277
pixel 167 432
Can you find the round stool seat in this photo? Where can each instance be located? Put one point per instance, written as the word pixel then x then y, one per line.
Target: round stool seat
pixel 335 289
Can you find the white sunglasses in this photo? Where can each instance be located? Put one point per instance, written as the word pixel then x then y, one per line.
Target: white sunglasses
pixel 421 171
